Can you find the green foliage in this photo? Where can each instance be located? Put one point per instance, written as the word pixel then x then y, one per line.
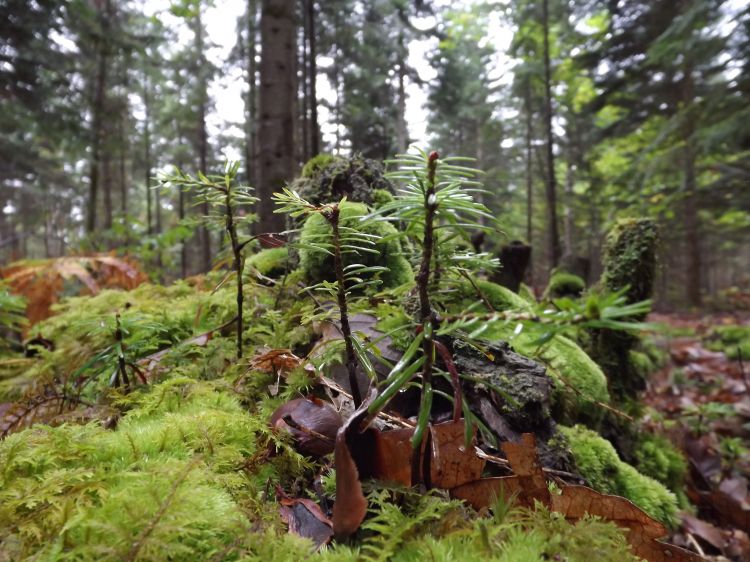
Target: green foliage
pixel 382 249
pixel 598 463
pixel 12 313
pixel 732 340
pixel 562 284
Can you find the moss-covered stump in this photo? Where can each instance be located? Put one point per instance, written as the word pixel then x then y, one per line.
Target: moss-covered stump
pixel 318 266
pixel 564 284
pixel 511 394
pixel 599 464
pixel 514 259
pixel 630 266
pixel 327 179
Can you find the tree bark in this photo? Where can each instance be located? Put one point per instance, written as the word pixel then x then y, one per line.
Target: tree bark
pixel 277 107
pixel 252 91
pixel 147 149
pixel 553 237
pixel 691 220
pixel 97 111
pixel 202 134
pixel 312 75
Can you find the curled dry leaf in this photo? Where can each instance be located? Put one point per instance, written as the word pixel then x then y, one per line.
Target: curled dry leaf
pixel 305 518
pixel 312 423
pixel 528 485
pixel 275 361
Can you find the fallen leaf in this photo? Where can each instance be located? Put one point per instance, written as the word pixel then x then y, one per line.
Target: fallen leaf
pixel 305 518
pixel 275 361
pixel 703 530
pixel 312 423
pixel 529 485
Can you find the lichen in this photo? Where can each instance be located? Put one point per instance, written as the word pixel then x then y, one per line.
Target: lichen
pixel 318 266
pixel 600 465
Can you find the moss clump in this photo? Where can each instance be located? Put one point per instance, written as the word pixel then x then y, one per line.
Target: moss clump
pixel 328 179
pixel 381 197
pixel 272 262
pixel 658 458
pixel 562 284
pixel 318 266
pixel 501 298
pixel 599 464
pixel 166 484
pixel 315 165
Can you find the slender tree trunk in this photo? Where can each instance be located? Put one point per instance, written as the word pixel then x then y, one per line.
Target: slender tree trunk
pixel 553 237
pixel 202 135
pixel 96 138
pixel 312 75
pixel 304 100
pixel 252 91
pixel 691 220
pixel 147 148
pixel 568 225
pixel 277 91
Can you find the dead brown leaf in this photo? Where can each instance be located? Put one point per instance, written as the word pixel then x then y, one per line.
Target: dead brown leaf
pixel 305 518
pixel 275 361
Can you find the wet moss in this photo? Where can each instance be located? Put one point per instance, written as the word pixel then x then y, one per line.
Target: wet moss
pixel 600 465
pixel 318 266
pixel 271 262
pixel 562 284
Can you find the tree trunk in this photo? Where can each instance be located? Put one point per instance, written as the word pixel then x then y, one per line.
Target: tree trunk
pixel 277 92
pixel 553 238
pixel 96 137
pixel 147 148
pixel 691 220
pixel 312 75
pixel 202 135
pixel 251 101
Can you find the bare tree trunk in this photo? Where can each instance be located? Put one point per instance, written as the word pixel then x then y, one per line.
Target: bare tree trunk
pixel 568 225
pixel 401 129
pixel 96 138
pixel 147 148
pixel 304 101
pixel 202 135
pixel 277 111
pixel 312 75
pixel 691 220
pixel 252 91
pixel 553 237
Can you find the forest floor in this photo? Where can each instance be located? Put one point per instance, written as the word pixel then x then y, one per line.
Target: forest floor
pixel 701 399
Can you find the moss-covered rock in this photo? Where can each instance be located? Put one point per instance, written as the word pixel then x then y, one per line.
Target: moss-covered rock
pixel 318 266
pixel 328 179
pixel 563 284
pixel 599 464
pixel 501 298
pixel 272 262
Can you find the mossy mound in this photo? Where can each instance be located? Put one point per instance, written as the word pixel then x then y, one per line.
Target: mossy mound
pixel 500 298
pixel 599 464
pixel 657 457
pixel 562 284
pixel 272 262
pixel 318 266
pixel 526 293
pixel 328 179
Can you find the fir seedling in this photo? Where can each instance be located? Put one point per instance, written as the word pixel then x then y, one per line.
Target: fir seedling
pixel 437 205
pixel 341 240
pixel 231 204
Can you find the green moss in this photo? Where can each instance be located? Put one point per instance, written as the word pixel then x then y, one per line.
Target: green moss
pixel 318 266
pixel 381 197
pixel 526 293
pixel 641 363
pixel 316 164
pixel 658 458
pixel 501 298
pixel 630 258
pixel 562 284
pixel 328 179
pixel 599 464
pixel 271 262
